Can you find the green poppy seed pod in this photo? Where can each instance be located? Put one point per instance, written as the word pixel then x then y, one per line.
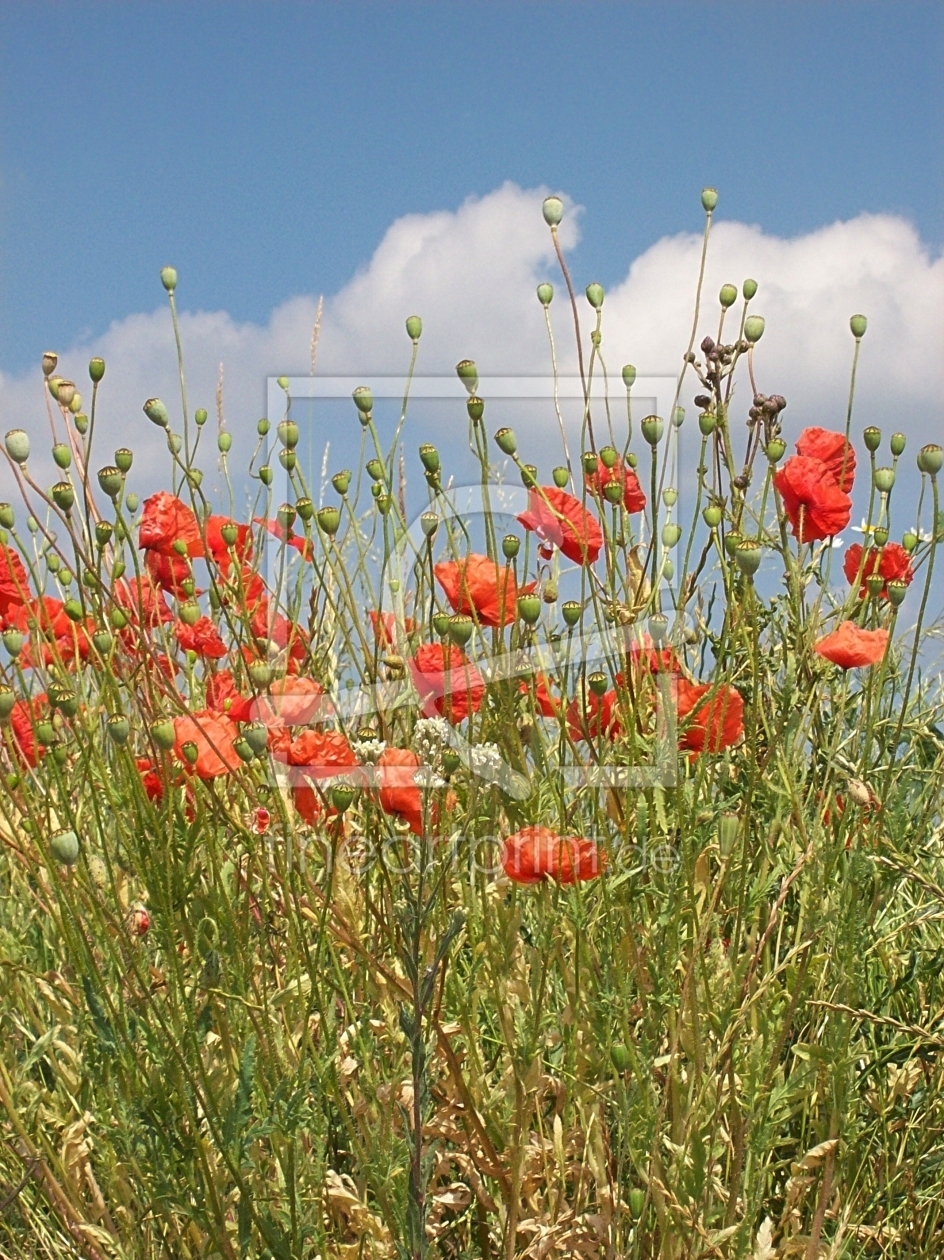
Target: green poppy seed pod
pixel 629 375
pixel 909 540
pixel 305 509
pixel 872 437
pixel 174 442
pixel 103 642
pixel 243 750
pixel 475 407
pixel 529 476
pixel 46 733
pixel 451 761
pixel 511 545
pixel 17 446
pixel 53 385
pixel 377 489
pixel 549 593
pixel 709 199
pixel 637 1201
pixel 62 455
pixel 263 426
pixel 609 456
pixel 169 278
pixel 52 562
pixel 261 673
pixel 712 515
pixel 529 609
pixel 545 294
pixel 7 701
pixel 597 682
pixel 282 382
pixel 506 441
pixel 652 429
pixel 164 734
pixel 460 629
pixel 200 417
pixel 384 504
pixel 468 374
pixel 858 325
pixel 414 327
pixel 224 442
pixel 73 609
pixel 658 627
pixel 13 641
pixel 880 537
pixel 63 495
pixel 375 469
pixel 342 795
pixel 754 328
pixel 81 422
pixel 65 393
pixel 60 756
pixel 429 523
pixel 621 1058
pixel 707 423
pixel 75 406
pixel 571 612
pixel 775 450
pixel 96 369
pixel 748 289
pixel 613 492
pixel 670 496
pixel 229 532
pixel 896 591
pixel 589 461
pixel 930 458
pixel 287 458
pixel 256 735
pixel 632 459
pixel 678 417
pixel 111 481
pixel 266 475
pixel 190 752
pixel 156 412
pixel 329 520
pixel 7 517
pixel 897 443
pixel 560 476
pixel 188 586
pixel 179 546
pixel 595 295
pixel 884 479
pixel 874 584
pixel 118 617
pixel 189 612
pixel 553 211
pixel 429 457
pixel 747 556
pixel 731 542
pixel 728 295
pixel 118 728
pixel 285 515
pixel 671 533
pixel 50 359
pixel 288 433
pixel 118 568
pixel 64 846
pixel 441 624
pixel 342 481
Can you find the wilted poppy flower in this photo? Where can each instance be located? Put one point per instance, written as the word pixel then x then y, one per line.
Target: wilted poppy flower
pixel 634 498
pixel 14 584
pixel 166 520
pixel 385 627
pixel 812 499
pixel 560 520
pixel 202 637
pixel 214 735
pixel 592 716
pixel 447 684
pixel 290 701
pixel 479 587
pixel 892 562
pixel 849 646
pixel 710 718
pixel 537 853
pixel 321 754
pixel 834 451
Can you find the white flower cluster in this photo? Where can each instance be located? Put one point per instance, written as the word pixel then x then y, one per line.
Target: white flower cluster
pixel 425 777
pixel 368 751
pixel 430 737
pixel 485 759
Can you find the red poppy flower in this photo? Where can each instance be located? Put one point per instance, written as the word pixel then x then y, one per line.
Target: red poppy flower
pixel 450 686
pixel 537 853
pixel 477 586
pixel 539 689
pixel 385 627
pixel 214 736
pixel 202 637
pixel 812 499
pixel 560 520
pixel 835 452
pixel 279 631
pixel 399 793
pixel 321 754
pixel 595 716
pixel 14 584
pixel 298 541
pixel 26 713
pixel 892 562
pixel 151 779
pixel 710 718
pixel 291 701
pixel 143 600
pixel 166 520
pixel 851 647
pixel 644 656
pixel 168 571
pixel 634 498
pixel 307 802
pixel 220 550
pixel 222 695
pixel 62 638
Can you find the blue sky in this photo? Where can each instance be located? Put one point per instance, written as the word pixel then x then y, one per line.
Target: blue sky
pixel 266 148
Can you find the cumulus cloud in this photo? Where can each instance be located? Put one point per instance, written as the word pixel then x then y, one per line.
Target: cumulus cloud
pixel 471 275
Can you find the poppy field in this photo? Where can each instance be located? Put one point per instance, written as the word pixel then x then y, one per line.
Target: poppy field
pixel 380 883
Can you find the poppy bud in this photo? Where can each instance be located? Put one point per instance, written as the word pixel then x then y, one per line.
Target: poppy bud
pixel 475 407
pixel 909 541
pixel 511 545
pixel 858 325
pixel 375 469
pixel 63 495
pixel 111 481
pixel 118 617
pixel 678 417
pixel 169 278
pixel 286 515
pixel 613 492
pixel 190 752
pixel 287 458
pixel 288 433
pixel 50 359
pixel 671 533
pixel 712 515
pixel 652 429
pixel 884 479
pixel 200 417
pixel 377 489
pixel 747 556
pixel 263 426
pixel 748 289
pixel 930 458
pixel 529 609
pixel 103 642
pixel 621 1058
pixel 156 412
pixel 468 374
pixel 632 459
pixel 52 562
pixel 595 295
pixel 364 402
pixel 429 457
pixel 754 328
pixel 775 450
pixel 545 294
pixel 17 446
pixel 265 475
pixel 441 624
pixel 896 590
pixel 880 536
pixel 118 728
pixel 7 701
pixel 553 211
pixel 506 441
pixel 709 199
pixel 629 375
pixel 329 520
pixel 224 442
pixel 7 517
pixel 460 629
pixel 13 641
pixel 560 477
pixel 429 523
pixel 282 382
pixel 189 612
pixel 342 481
pixel 73 610
pixel 571 612
pixel 728 295
pixel 658 627
pixel 529 476
pixel 731 541
pixel 597 683
pixel 707 422
pixel 728 825
pixel 64 846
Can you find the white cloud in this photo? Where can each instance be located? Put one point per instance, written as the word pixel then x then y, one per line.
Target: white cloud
pixel 471 274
